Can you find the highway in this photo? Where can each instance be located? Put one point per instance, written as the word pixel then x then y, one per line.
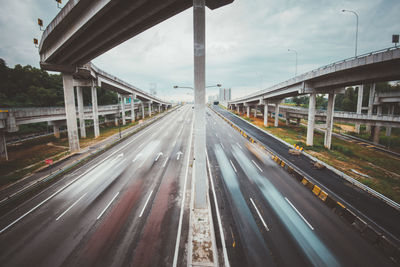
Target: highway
pixel 126 207
pixel 267 217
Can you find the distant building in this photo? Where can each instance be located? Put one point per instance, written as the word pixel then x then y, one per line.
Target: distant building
pixel 224 94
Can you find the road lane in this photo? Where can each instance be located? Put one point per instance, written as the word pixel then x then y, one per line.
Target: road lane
pixel 96 211
pixel 342 244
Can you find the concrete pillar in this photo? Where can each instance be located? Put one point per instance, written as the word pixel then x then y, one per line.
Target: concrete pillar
pixel 370 105
pixel 287 119
pixel 95 112
pixel 123 110
pixel 329 120
pixel 132 108
pixel 56 131
pixel 311 120
pixel 150 109
pixel 69 100
pixel 142 105
pixel 266 114
pixel 3 146
pixel 81 112
pixel 276 114
pixel 200 172
pixel 248 111
pixel 238 109
pixel 389 128
pixel 377 129
pixel 116 122
pixel 255 112
pixel 359 105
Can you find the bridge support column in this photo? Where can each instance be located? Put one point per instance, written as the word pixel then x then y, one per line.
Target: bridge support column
pixel 359 105
pixel 255 112
pixel 248 111
pixel 276 114
pixel 311 120
pixel 200 172
pixel 56 131
pixel 95 112
pixel 389 128
pixel 159 108
pixel 70 112
pixel 3 146
pixel 142 105
pixel 329 121
pixel 370 105
pixel 266 114
pixel 123 110
pixel 287 119
pixel 116 122
pixel 81 112
pixel 377 129
pixel 132 108
pixel 150 109
pixel 238 109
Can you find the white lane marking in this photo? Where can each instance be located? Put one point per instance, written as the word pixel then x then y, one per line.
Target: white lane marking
pixel 222 145
pixel 221 231
pixel 141 145
pixel 178 234
pixel 259 214
pixel 257 165
pixel 165 162
pixel 70 207
pixel 120 156
pixel 159 154
pixel 309 225
pixel 80 176
pixel 145 204
pixel 108 205
pixel 178 155
pixel 233 166
pixel 137 157
pixel 239 145
pixel 216 135
pixel 230 135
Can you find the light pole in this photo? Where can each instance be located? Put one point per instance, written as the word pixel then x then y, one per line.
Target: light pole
pixel 292 50
pixel 355 13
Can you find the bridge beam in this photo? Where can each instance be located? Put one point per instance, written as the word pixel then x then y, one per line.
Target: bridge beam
pixel 95 111
pixel 311 120
pixel 81 112
pixel 329 120
pixel 359 105
pixel 69 100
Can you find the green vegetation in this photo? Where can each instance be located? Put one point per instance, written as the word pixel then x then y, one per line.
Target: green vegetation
pixel 27 86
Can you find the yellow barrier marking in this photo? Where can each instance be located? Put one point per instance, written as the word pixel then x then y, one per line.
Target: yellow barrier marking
pixel 316 190
pixel 3 110
pixel 371 146
pixel 283 164
pixel 323 195
pixel 304 181
pixel 340 204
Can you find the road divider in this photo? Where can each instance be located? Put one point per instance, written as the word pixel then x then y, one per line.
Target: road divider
pixel 368 231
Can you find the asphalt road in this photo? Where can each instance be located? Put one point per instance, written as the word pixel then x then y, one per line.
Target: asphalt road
pixel 122 208
pixel 366 206
pixel 270 219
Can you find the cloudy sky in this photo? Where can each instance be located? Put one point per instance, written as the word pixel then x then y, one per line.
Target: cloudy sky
pixel 247 42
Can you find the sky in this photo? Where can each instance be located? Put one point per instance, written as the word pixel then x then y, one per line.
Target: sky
pixel 247 42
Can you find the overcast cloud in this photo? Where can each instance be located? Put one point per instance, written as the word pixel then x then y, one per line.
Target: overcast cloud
pixel 247 41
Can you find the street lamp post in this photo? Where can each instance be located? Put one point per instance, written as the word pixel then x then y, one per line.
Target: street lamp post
pixel 292 50
pixel 355 13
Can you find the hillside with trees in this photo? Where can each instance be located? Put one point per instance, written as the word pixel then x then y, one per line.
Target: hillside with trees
pixel 27 86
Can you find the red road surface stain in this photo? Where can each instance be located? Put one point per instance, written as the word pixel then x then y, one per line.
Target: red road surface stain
pixel 147 252
pixel 112 224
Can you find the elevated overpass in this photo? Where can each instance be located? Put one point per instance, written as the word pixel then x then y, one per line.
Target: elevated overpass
pixel 379 66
